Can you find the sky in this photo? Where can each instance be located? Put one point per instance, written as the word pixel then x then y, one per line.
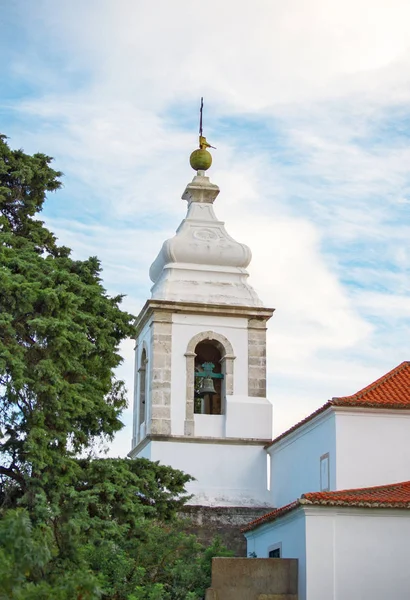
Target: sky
pixel 308 104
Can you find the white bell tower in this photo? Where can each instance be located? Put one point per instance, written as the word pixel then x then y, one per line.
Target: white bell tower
pixel 200 359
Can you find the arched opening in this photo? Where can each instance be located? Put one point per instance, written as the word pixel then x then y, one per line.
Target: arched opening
pixel 208 389
pixel 142 372
pixel 195 354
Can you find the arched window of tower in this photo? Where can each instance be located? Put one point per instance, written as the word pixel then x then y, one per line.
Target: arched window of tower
pixel 142 373
pixel 213 345
pixel 209 396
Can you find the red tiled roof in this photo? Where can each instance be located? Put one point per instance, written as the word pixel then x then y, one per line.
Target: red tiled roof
pixel 390 391
pixel 395 495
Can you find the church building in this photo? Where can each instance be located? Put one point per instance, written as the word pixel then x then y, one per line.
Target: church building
pixel 339 494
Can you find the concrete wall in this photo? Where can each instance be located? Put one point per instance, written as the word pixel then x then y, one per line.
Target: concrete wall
pixel 372 447
pixel 295 460
pixel 253 579
pixel 357 554
pixel 226 474
pixel 289 534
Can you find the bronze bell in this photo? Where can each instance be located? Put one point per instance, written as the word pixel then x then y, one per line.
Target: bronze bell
pixel 207 387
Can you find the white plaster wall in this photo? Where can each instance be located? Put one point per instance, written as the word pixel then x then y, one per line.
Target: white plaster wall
pixel 290 533
pixel 184 328
pixel 373 448
pixel 295 460
pixel 209 425
pixel 226 475
pixel 357 554
pixel 248 417
pixel 145 452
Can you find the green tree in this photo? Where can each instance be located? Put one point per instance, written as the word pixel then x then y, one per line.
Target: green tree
pixel 59 335
pixel 73 528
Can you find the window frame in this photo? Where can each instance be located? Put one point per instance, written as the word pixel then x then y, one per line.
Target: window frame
pixel 273 548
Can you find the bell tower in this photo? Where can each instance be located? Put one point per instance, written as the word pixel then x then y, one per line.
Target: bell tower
pixel 200 358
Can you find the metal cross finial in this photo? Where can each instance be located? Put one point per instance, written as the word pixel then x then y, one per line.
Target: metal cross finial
pixel 203 144
pixel 200 116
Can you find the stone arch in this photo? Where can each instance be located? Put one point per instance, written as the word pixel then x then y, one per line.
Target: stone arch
pixel 223 342
pixel 227 358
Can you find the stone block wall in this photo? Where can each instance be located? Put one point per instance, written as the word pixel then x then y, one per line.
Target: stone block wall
pixel 160 370
pixel 257 358
pixel 206 522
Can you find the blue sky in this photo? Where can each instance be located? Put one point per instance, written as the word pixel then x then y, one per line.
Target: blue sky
pixel 308 105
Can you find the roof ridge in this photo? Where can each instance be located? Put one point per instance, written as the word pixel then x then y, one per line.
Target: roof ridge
pixel 374 488
pixel 296 426
pixel 396 397
pixel 268 517
pixel 391 495
pixel 375 384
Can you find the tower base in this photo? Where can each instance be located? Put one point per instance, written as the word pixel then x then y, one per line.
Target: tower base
pixel 206 522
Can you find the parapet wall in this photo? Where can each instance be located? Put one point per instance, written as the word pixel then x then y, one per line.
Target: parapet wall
pixel 254 579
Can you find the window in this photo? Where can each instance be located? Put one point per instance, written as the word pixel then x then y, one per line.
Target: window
pixel 275 551
pixel 324 473
pixel 142 376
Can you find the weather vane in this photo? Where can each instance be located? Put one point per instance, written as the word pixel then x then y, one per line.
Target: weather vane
pixel 200 117
pixel 201 159
pixel 203 144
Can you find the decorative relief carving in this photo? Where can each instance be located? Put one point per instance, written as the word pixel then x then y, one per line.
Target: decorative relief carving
pixel 205 235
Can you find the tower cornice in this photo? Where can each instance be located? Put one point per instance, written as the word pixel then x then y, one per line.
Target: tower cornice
pixel 165 309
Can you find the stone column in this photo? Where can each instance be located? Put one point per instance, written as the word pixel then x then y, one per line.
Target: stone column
pixel 160 372
pixel 227 369
pixel 257 358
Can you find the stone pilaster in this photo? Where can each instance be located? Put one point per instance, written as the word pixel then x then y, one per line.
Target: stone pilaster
pixel 227 369
pixel 189 425
pixel 160 380
pixel 257 358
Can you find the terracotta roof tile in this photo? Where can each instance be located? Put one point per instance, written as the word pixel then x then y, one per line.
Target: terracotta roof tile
pixel 390 391
pixel 395 495
pixel 271 516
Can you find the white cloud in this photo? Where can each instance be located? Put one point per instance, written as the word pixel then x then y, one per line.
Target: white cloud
pixel 307 104
pixel 249 56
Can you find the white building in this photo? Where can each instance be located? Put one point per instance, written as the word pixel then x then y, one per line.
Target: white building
pixel 200 406
pixel 336 514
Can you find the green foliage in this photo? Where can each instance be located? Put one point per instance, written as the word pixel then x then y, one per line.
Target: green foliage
pixel 74 528
pixel 26 553
pixel 59 335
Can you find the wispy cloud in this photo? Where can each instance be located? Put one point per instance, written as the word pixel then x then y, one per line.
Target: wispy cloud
pixel 307 102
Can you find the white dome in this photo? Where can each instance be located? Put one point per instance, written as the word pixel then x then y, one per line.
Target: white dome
pixel 202 262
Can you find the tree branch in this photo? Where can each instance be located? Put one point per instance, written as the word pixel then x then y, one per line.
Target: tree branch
pixel 17 477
